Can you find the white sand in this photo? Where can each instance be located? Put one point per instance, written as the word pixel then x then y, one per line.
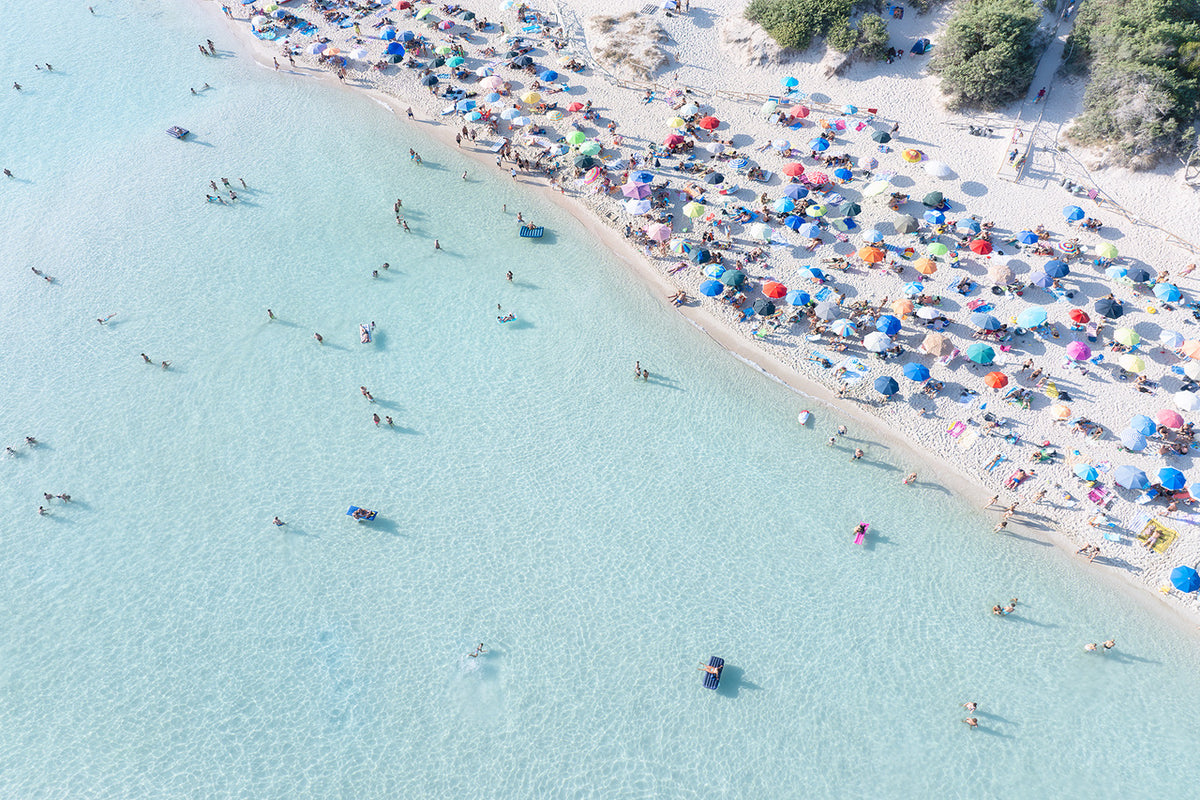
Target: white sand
pixel 713 48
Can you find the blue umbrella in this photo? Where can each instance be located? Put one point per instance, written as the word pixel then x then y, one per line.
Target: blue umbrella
pixel 1109 308
pixel 914 288
pixel 797 298
pixel 888 324
pixel 1137 275
pixel 968 225
pixel 1031 317
pixel 873 236
pixel 783 205
pixel 843 174
pixel 407 36
pixel 1185 579
pixel 809 230
pixel 1055 268
pixel 642 177
pixel 474 116
pixel 1086 472
pixel 700 255
pixel 1132 440
pixel 465 105
pixel 815 273
pixel 886 385
pixel 934 217
pixel 789 82
pixel 985 322
pixel 1194 491
pixel 1143 425
pixel 1116 273
pixel 394 49
pixel 1167 293
pixel 1130 477
pixel 1073 213
pixel 795 191
pixel 1041 280
pixel 794 222
pixel 916 372
pixel 711 288
pixel 494 97
pixel 715 271
pixel 1027 237
pixel 548 75
pixel 1171 479
pixel 820 145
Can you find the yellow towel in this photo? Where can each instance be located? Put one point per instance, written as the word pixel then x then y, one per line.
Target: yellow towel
pixel 1164 541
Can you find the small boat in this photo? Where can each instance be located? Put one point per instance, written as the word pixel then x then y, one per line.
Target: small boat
pixel 803 417
pixel 713 680
pixel 530 232
pixel 178 132
pixel 365 332
pixel 860 532
pixel 361 514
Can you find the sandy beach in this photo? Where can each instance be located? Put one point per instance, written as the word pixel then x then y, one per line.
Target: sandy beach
pixel 712 58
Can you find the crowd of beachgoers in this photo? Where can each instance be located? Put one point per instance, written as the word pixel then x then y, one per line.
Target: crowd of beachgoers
pixel 995 325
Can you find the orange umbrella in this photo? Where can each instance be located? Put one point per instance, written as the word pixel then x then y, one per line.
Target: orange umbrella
pixel 1191 348
pixel 912 156
pixel 774 289
pixel 871 255
pixel 902 306
pixel 980 246
pixel 925 265
pixel 996 380
pixel 1059 411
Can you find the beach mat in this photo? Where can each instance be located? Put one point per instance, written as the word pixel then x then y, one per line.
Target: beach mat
pixel 855 370
pixel 1167 538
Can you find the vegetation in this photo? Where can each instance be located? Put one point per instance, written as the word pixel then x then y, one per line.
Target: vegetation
pixel 987 56
pixel 794 24
pixel 1144 87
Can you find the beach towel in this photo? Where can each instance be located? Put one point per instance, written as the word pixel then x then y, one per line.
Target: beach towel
pixel 997 463
pixel 968 439
pixel 956 429
pixel 1165 540
pixel 853 369
pixel 824 294
pixel 797 125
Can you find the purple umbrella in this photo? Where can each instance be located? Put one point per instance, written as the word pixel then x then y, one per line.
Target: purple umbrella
pixel 1078 351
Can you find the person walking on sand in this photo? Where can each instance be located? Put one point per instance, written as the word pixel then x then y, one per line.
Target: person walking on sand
pixel 995 499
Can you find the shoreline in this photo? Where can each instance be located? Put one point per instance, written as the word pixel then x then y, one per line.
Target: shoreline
pixel 1063 526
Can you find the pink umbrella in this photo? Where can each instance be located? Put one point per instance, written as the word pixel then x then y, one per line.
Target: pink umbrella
pixel 445 24
pixel 638 191
pixel 1169 418
pixel 657 232
pixel 1078 351
pixel 673 140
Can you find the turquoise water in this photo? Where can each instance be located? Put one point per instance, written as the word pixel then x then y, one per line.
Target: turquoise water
pixel 602 536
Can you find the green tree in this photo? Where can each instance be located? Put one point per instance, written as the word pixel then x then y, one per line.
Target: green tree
pixel 986 57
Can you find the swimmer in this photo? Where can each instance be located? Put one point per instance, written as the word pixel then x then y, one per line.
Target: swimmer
pixel 386 265
pixel 48 496
pixel 9 451
pixel 32 442
pixel 841 430
pixel 637 369
pixel 66 498
pixel 509 276
pixel 225 182
pixel 970 706
pixel 317 336
pixel 166 365
pixel 464 177
pixel 858 453
pixel 479 650
pixel 41 511
pixel 909 478
pixel 388 420
pixel 146 358
pixel 242 180
pixel 374 273
pixel 213 184
pixel 519 217
pixel 998 611
pixel 645 374
pixel 832 441
pixel 8 173
pixel 193 91
pixel 16 86
pixel 972 722
pixel 1009 609
pixel 437 245
pixel 1091 647
pixel 270 314
pixel 277 521
pixel 405 224
pixel 104 320
pixel 1109 645
pixel 232 195
pixel 375 417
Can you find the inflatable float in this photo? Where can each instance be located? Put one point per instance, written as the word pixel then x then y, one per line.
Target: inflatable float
pixel 530 232
pixel 803 417
pixel 178 132
pixel 506 318
pixel 360 514
pixel 711 680
pixel 365 331
pixel 860 532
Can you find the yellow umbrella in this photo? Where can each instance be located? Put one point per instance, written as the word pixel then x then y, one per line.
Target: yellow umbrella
pixel 912 156
pixel 693 210
pixel 876 188
pixel 1127 336
pixel 531 98
pixel 817 210
pixel 925 266
pixel 424 12
pixel 1059 411
pixel 1131 363
pixel 903 306
pixel 676 122
pixel 1107 250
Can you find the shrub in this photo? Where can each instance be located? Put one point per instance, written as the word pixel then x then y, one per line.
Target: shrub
pixel 986 57
pixel 873 37
pixel 842 37
pixel 794 23
pixel 1144 84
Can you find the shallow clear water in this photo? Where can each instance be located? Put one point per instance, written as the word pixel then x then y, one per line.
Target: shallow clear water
pixel 602 536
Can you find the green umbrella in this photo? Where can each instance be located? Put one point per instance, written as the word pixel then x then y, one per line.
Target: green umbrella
pixel 938 249
pixel 589 148
pixel 852 210
pixel 732 277
pixel 576 137
pixel 933 200
pixel 980 353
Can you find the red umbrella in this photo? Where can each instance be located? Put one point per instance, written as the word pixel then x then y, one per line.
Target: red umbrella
pixel 1078 315
pixel 673 140
pixel 403 4
pixel 793 169
pixel 1169 418
pixel 710 123
pixel 981 246
pixel 575 107
pixel 996 380
pixel 817 178
pixel 774 289
pixel 799 112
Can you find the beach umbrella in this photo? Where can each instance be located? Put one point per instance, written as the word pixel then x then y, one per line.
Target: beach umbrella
pixel 916 372
pixel 711 288
pixel 689 109
pixel 657 232
pixel 465 104
pixel 849 109
pixel 733 277
pixel 883 137
pixel 815 273
pixel 783 205
pixel 995 380
pixel 912 156
pixel 980 246
pixel 871 255
pixel 424 12
pixel 877 341
pixel 809 230
pixel 760 231
pixel 826 310
pixel 768 106
pixel 1111 309
pixel 903 306
pixel 886 385
pixel 637 191
pixel 906 224
pixel 693 210
pixel 928 312
pixel 1142 424
pixel 1185 579
pixel 1131 363
pixel 674 140
pixel 579 137
pixel 387 34
pixel 429 80
pixel 1130 477
pixel 1000 274
pixel 797 298
pixel 843 327
pixel 888 325
pixel 1132 440
pixel 1056 269
pixel 781 144
pixel 1027 237
pixel 938 249
pixel 1127 336
pixel 576 106
pixel 843 174
pixel 774 289
pixel 1191 349
pixel 876 188
pixel 592 175
pixel 793 169
pixel 443 50
pixel 763 307
pixel 1169 419
pixel 984 321
pixel 585 162
pixel 1059 411
pixel 637 206
pixel 1107 250
pixel 934 217
pixel 548 76
pixel 437 62
pixel 699 255
pixel 589 148
pixel 710 123
pixel 492 82
pixel 1078 315
pixel 799 112
pixel 934 343
pixel 981 353
pixel 925 265
pixel 1192 370
pixel 676 122
pixel 523 61
pixel 1086 472
pixel 820 145
pixel 789 82
pixel 933 200
pixel 474 116
pixel 1172 340
pixel 914 288
pixel 1188 401
pixel 1168 293
pixel 1073 213
pixel 714 270
pixel 1041 279
pixel 406 36
pixel 851 210
pixel 1031 317
pixel 316 48
pixel 1171 479
pixel 393 49
pixel 795 191
pixel 531 98
pixel 817 210
pixel 872 236
pixel 845 224
pixel 1078 351
pixel 794 222
pixel 455 62
pixel 968 226
pixel 939 170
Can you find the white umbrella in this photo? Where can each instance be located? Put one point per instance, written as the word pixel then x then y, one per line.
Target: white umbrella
pixel 519 122
pixel 781 144
pixel 939 169
pixel 689 110
pixel 1188 401
pixel 360 54
pixel 1192 370
pixel 760 231
pixel 1171 340
pixel 714 147
pixel 877 341
pixel 637 206
pixel 928 312
pixel 259 21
